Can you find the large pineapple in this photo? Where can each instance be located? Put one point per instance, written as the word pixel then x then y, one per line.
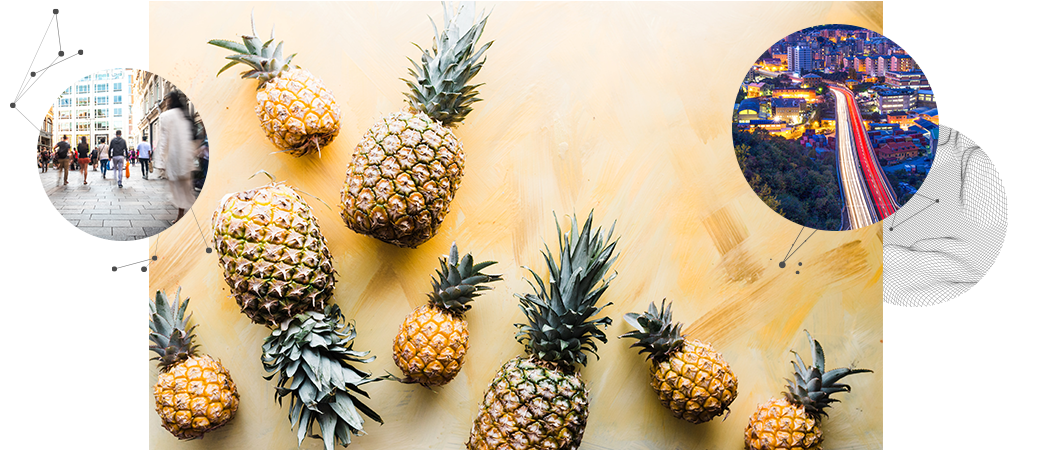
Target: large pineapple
pixel 406 169
pixel 793 422
pixel 540 401
pixel 433 339
pixel 274 257
pixel 296 110
pixel 194 392
pixel 312 355
pixel 689 376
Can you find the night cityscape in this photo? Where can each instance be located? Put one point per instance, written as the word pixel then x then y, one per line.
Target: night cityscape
pixel 801 160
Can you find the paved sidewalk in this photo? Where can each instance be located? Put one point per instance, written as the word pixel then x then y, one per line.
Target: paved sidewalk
pixel 140 209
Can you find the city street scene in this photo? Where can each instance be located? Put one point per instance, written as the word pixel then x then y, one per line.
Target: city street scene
pixel 122 154
pixel 835 127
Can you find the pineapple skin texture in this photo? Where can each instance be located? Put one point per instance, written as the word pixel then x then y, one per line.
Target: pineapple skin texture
pixel 195 396
pixel 694 382
pixel 780 425
pixel 297 112
pixel 431 345
pixel 528 406
pixel 401 179
pixel 274 258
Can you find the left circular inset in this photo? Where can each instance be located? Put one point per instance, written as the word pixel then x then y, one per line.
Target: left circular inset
pixel 122 154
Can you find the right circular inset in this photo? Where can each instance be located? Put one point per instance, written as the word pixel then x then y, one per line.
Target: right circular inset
pixel 834 127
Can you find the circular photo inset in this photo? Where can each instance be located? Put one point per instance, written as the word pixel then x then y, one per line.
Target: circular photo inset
pixel 122 154
pixel 835 127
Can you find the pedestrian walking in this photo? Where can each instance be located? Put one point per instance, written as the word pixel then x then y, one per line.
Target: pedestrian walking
pixel 61 159
pixel 144 152
pixel 204 160
pixel 45 159
pixel 103 157
pixel 118 155
pixel 175 141
pixel 83 157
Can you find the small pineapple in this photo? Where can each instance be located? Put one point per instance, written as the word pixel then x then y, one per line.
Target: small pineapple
pixel 194 392
pixel 313 357
pixel 274 257
pixel 689 376
pixel 406 170
pixel 793 422
pixel 433 339
pixel 540 401
pixel 296 110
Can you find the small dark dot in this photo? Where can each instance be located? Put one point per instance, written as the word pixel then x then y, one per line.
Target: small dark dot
pixel 80 52
pixel 799 263
pixel 209 249
pixel 890 228
pixel 61 53
pixel 113 268
pixel 55 11
pixel 12 105
pixel 937 200
pixel 154 257
pixel 782 265
pixel 32 74
pixel 796 272
pixel 144 268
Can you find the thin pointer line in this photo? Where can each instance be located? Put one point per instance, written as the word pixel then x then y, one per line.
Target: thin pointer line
pixel 202 236
pixel 39 75
pixel 793 243
pixel 27 119
pixel 800 245
pixel 66 342
pixel 915 214
pixel 30 69
pixel 133 263
pixel 962 340
pixel 59 30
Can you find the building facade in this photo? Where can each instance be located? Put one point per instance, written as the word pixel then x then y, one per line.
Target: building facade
pixel 47 132
pixel 151 89
pixel 96 107
pixel 799 59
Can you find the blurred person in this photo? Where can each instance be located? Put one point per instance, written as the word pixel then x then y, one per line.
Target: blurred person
pixel 175 143
pixel 94 159
pixel 118 155
pixel 103 157
pixel 45 159
pixel 61 160
pixel 83 157
pixel 144 151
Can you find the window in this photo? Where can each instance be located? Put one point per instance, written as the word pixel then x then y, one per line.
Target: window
pixel 101 100
pixel 117 112
pixel 83 127
pixel 83 89
pixel 101 113
pixel 68 90
pixel 102 76
pixel 101 126
pixel 65 102
pixel 101 87
pixel 117 87
pixel 83 101
pixel 83 114
pixel 65 126
pixel 117 99
pixel 65 115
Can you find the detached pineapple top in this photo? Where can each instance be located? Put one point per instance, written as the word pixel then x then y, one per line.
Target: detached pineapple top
pixel 460 281
pixel 560 315
pixel 440 86
pixel 813 386
pixel 169 331
pixel 655 333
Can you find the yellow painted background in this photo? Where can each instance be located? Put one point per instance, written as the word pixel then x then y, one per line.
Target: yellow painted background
pixel 620 107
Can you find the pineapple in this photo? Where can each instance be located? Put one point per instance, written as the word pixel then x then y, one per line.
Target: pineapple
pixel 793 422
pixel 274 257
pixel 296 110
pixel 540 401
pixel 406 169
pixel 194 392
pixel 312 355
pixel 433 339
pixel 689 376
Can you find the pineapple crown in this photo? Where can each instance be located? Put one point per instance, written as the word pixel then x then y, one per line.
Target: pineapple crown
pixel 440 86
pixel 266 62
pixel 560 325
pixel 812 386
pixel 655 333
pixel 460 281
pixel 312 355
pixel 168 330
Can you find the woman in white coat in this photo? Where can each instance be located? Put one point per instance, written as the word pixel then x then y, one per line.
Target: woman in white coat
pixel 174 142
